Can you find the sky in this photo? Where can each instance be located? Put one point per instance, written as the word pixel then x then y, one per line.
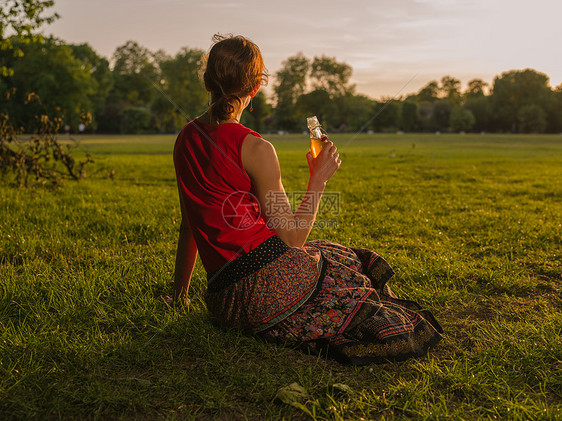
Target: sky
pixel 394 46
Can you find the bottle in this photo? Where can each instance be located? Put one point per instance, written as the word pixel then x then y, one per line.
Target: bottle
pixel 315 128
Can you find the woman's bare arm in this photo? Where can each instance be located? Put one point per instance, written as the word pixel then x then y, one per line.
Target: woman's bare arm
pixel 186 256
pixel 260 162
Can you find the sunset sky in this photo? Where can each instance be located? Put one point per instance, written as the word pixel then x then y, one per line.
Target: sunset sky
pixel 387 42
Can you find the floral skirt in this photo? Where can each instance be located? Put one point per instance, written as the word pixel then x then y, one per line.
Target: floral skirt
pixel 323 297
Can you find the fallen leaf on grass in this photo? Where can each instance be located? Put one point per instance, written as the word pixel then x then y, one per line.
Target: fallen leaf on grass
pixel 292 395
pixel 342 388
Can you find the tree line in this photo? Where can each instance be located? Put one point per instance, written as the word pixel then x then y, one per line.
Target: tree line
pixel 141 91
pixel 518 101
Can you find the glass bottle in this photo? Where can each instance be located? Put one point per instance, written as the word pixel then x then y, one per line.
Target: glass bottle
pixel 316 134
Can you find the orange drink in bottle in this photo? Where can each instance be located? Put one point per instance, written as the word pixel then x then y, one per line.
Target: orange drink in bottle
pixel 315 129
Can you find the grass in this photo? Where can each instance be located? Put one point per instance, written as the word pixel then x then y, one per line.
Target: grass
pixel 472 225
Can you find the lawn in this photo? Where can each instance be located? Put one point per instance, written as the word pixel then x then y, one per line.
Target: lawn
pixel 472 225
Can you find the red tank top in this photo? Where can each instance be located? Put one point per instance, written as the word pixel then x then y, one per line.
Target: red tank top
pixel 217 193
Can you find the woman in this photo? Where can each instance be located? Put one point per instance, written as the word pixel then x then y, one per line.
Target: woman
pixel 263 277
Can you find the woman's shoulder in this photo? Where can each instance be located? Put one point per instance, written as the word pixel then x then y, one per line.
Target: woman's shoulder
pixel 255 142
pixel 189 127
pixel 257 152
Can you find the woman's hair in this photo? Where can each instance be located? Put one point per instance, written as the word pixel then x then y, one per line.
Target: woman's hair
pixel 232 69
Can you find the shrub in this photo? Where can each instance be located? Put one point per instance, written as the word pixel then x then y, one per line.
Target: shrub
pixel 42 158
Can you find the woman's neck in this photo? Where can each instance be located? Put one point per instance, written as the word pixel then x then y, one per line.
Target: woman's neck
pixel 206 119
pixel 234 119
pixel 238 112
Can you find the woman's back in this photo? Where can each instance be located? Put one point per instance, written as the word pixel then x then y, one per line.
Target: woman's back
pixel 217 194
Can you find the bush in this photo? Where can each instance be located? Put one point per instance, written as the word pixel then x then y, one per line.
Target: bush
pixel 41 159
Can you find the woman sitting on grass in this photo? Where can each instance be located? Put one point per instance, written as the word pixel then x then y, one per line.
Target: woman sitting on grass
pixel 263 277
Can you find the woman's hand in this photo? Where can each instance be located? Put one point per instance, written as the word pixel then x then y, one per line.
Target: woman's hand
pixel 169 299
pixel 323 167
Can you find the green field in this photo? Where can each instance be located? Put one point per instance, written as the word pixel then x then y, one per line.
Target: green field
pixel 472 225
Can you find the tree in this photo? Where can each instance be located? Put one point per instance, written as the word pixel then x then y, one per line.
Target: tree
pixel 481 109
pixel 165 116
pixel 329 75
pixel 318 103
pixel 98 68
pixel 350 112
pixel 135 73
pixel 410 116
pixel 136 80
pixel 440 115
pixel 388 116
pixel 429 92
pixel 181 85
pixel 553 110
pixel 49 69
pixel 557 109
pixel 425 110
pixel 461 120
pixel 261 112
pixel 531 119
pixel 514 90
pixel 110 121
pixel 22 18
pixel 475 89
pixel 290 83
pixel 450 89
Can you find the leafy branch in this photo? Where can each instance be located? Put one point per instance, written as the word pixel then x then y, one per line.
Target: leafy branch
pixel 42 158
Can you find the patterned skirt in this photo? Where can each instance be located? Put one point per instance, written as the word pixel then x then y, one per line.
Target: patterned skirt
pixel 324 298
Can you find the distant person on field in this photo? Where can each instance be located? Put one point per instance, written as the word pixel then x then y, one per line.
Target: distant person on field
pixel 263 277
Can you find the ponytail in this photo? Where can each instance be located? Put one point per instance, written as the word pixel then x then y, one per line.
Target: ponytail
pixel 223 108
